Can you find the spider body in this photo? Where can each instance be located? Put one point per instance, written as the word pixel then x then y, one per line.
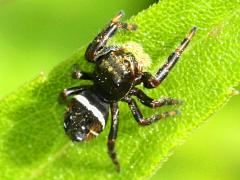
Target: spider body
pixel 86 116
pixel 116 74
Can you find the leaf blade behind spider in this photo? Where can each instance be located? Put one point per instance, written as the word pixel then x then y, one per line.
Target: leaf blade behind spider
pixel 34 145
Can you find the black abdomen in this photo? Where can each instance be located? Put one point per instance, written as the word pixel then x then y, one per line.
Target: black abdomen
pixel 86 116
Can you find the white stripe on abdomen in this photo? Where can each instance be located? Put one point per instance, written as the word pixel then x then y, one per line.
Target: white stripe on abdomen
pixel 98 114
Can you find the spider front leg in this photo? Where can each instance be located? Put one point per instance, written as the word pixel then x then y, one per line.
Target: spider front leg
pixel 78 74
pixel 96 48
pixel 146 121
pixel 113 135
pixel 144 99
pixel 70 91
pixel 151 81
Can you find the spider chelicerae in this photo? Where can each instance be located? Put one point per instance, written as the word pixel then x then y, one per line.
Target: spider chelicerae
pixel 117 73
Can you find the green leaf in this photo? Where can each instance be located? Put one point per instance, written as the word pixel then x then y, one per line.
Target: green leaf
pixel 32 140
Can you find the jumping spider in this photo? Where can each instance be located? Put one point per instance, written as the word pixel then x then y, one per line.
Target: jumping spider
pixel 116 74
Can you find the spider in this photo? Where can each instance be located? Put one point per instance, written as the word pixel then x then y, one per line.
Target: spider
pixel 116 74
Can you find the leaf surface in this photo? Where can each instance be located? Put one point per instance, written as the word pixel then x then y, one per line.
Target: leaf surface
pixel 32 140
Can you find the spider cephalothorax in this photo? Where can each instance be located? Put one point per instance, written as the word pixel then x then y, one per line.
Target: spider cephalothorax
pixel 118 70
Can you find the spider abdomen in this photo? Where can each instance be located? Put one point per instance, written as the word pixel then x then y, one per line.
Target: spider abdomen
pixel 86 116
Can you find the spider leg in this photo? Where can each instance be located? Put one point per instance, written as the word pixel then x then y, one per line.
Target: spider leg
pixel 113 135
pixel 147 121
pixel 146 100
pixel 78 74
pixel 96 48
pixel 70 91
pixel 151 81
